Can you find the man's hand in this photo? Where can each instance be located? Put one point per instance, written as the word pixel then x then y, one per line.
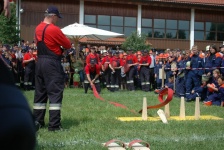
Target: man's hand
pixel 188 68
pixel 93 81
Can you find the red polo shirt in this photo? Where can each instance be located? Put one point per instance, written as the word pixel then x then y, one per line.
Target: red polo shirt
pixel 132 57
pixel 145 59
pixel 53 38
pixel 91 69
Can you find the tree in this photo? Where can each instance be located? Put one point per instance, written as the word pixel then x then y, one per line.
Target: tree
pixel 9 33
pixel 136 42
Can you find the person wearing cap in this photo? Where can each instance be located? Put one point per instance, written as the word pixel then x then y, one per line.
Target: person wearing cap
pixel 49 74
pixel 92 56
pixel 92 73
pixel 144 63
pixel 115 65
pixel 105 68
pixel 131 61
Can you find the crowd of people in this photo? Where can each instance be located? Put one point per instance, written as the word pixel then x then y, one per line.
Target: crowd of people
pixel 190 73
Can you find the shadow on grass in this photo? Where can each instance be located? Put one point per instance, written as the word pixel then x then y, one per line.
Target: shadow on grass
pixel 71 122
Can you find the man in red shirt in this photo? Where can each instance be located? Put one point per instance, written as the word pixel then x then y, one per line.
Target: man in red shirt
pixel 92 56
pixel 144 63
pixel 116 64
pixel 49 78
pixel 131 61
pixel 106 69
pixel 29 63
pixel 92 72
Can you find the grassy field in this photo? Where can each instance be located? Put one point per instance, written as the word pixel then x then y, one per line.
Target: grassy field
pixel 88 122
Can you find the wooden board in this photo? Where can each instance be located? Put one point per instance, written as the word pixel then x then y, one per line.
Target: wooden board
pixel 138 146
pixel 176 118
pixel 114 146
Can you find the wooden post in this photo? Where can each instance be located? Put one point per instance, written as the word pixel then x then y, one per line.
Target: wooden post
pixel 167 110
pixel 182 108
pixel 144 109
pixel 197 109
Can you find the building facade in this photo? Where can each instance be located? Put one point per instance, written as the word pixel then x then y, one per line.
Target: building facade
pixel 167 23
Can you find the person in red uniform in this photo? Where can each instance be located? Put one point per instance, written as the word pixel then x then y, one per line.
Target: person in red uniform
pixel 131 61
pixel 49 77
pixel 144 63
pixel 106 69
pixel 29 63
pixel 92 56
pixel 92 72
pixel 116 64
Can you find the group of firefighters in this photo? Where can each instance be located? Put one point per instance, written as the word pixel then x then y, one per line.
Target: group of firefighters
pixel 191 71
pixel 117 69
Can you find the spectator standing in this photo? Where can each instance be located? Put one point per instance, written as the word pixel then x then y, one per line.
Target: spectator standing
pixel 19 66
pixel 151 70
pixel 194 74
pixel 29 63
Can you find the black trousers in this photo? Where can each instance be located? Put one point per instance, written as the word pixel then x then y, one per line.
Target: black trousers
pixel 49 82
pixel 115 81
pixel 107 77
pixel 130 78
pixel 96 83
pixel 144 77
pixel 152 79
pixel 28 76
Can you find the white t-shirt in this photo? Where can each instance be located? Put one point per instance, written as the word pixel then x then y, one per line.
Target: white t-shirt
pixel 64 65
pixel 152 65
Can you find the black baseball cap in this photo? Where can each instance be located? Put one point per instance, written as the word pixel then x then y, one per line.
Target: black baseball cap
pixel 53 10
pixel 145 51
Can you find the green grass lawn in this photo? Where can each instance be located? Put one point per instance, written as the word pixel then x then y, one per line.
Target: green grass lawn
pixel 88 122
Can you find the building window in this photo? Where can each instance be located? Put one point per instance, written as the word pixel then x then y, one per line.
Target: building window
pixel 117 21
pixel 90 19
pixel 199 31
pixel 103 22
pixel 119 24
pixel 210 31
pixel 171 29
pixel 183 29
pixel 147 27
pixel 159 28
pixel 220 32
pixel 130 24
